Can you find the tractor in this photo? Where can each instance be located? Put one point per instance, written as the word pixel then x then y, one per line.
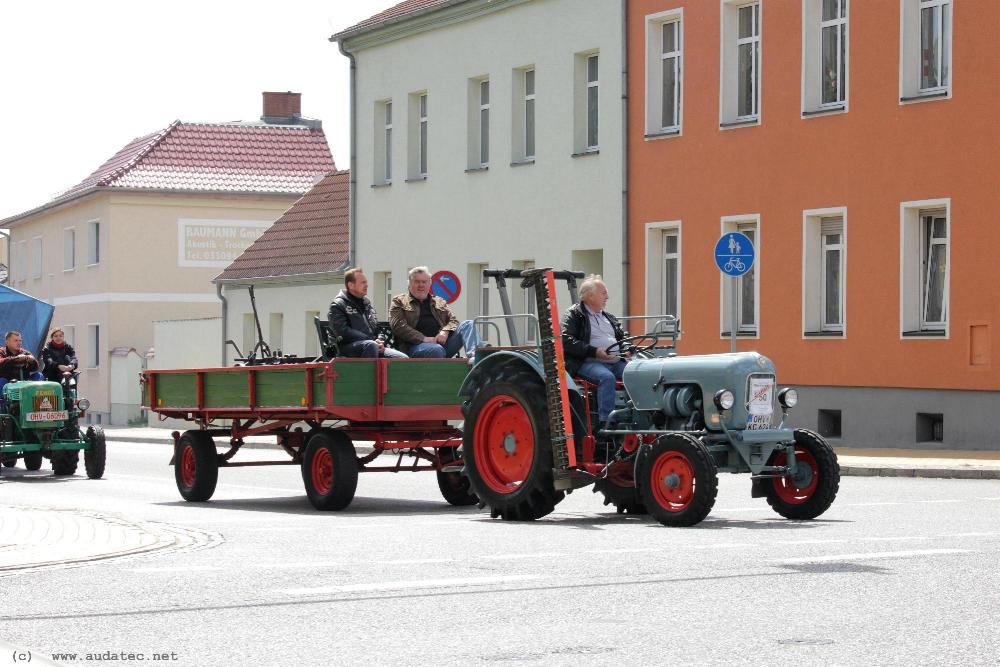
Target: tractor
pixel 529 435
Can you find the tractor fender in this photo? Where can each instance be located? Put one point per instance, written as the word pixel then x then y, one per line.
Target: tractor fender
pixel 492 363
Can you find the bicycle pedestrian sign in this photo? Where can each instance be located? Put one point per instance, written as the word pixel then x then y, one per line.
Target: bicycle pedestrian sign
pixel 734 254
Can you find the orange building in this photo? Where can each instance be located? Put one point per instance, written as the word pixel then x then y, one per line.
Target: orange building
pixel 855 143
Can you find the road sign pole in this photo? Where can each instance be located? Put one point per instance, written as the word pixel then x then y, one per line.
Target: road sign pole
pixel 733 312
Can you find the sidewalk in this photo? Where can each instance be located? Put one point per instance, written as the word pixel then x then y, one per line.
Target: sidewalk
pixel 853 461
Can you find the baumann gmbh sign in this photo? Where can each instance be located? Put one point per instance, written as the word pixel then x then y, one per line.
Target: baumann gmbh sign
pixel 215 243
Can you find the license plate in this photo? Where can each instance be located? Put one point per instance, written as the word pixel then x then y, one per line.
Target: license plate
pixel 758 422
pixel 48 416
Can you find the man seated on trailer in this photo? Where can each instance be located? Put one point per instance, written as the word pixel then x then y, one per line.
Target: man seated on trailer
pixel 352 318
pixel 423 324
pixel 588 331
pixel 15 360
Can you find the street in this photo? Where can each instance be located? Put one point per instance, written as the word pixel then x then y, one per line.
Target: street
pixel 898 571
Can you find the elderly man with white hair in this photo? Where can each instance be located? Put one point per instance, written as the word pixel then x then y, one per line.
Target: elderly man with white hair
pixel 588 331
pixel 424 326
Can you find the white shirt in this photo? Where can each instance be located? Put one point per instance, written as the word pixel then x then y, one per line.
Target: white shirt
pixel 602 334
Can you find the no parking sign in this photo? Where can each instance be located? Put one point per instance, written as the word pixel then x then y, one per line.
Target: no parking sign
pixel 446 285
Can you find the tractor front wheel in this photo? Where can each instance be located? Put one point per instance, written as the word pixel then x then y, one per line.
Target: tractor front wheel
pixel 32 460
pixel 64 462
pixel 677 480
pixel 812 489
pixel 618 489
pixel 330 470
pixel 508 451
pixel 454 485
pixel 95 457
pixel 8 459
pixel 196 466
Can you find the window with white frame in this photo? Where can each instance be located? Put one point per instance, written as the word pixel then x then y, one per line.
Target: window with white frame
pixel 36 257
pixel 741 62
pixel 586 103
pixel 311 342
pixel 824 55
pixel 529 114
pixel 382 294
pixel 383 143
pixel 93 242
pixel 593 99
pixel 925 262
pixel 70 331
pixel 423 134
pixel 484 123
pixel 276 331
pixel 417 144
pixel 824 262
pixel 523 120
pixel 925 49
pixel 671 271
pixel 663 268
pixel 479 299
pixel 748 285
pixel 93 346
pixel 69 249
pixel 663 72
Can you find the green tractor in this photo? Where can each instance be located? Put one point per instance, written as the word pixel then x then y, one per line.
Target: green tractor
pixel 40 419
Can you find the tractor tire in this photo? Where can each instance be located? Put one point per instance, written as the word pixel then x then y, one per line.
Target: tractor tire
pixel 64 462
pixel 8 459
pixel 454 485
pixel 508 450
pixel 811 494
pixel 32 460
pixel 330 470
pixel 95 457
pixel 619 489
pixel 196 466
pixel 677 480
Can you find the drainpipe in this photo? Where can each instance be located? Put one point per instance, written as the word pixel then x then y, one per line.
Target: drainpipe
pixel 625 250
pixel 6 236
pixel 225 319
pixel 352 236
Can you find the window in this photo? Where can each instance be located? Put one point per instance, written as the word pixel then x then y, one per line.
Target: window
pixel 93 345
pixel 382 294
pixel 824 55
pixel 663 268
pixel 93 242
pixel 671 271
pixel 36 257
pixel 70 332
pixel 925 246
pixel 275 331
pixel 383 143
pixel 586 113
pixel 748 287
pixel 925 49
pixel 593 97
pixel 69 249
pixel 22 260
pixel 479 299
pixel 529 113
pixel 423 135
pixel 484 123
pixel 824 262
pixel 740 86
pixel 663 75
pixel 526 327
pixel 249 333
pixel 523 121
pixel 312 340
pixel 417 144
pixel 479 124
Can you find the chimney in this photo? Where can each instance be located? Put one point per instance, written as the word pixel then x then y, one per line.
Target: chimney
pixel 282 108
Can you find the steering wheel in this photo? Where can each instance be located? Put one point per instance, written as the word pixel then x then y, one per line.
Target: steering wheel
pixel 635 344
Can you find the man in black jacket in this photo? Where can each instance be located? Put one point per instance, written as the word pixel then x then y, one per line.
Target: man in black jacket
pixel 353 320
pixel 587 332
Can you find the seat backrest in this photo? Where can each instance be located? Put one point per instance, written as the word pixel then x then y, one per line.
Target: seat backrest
pixel 327 339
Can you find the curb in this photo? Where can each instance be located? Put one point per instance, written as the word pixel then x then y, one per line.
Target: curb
pixel 936 473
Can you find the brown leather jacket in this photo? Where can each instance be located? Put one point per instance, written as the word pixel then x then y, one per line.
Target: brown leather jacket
pixel 10 366
pixel 404 313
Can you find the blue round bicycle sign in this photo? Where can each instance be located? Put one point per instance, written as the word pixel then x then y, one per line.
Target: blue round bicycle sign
pixel 734 254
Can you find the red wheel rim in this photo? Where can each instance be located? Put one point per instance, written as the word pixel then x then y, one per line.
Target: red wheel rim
pixel 672 481
pixel 504 444
pixel 322 471
pixel 785 487
pixel 189 466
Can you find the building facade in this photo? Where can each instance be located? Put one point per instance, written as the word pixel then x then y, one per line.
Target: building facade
pixel 487 138
pixel 851 142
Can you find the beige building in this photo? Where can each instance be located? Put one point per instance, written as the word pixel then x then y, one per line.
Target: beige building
pixel 141 238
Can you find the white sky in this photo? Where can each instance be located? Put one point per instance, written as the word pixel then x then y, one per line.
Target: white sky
pixel 79 80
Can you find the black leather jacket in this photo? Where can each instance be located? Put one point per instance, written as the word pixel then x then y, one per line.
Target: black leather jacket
pixel 352 319
pixel 54 357
pixel 576 336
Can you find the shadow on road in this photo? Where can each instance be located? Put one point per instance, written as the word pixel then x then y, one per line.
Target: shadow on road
pixel 361 506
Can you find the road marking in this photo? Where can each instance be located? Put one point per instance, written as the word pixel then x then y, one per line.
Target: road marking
pixel 937 502
pixel 403 585
pixel 278 566
pixel 625 551
pixel 520 556
pixel 969 535
pixel 178 568
pixel 811 541
pixel 722 545
pixel 896 539
pixel 416 561
pixel 871 556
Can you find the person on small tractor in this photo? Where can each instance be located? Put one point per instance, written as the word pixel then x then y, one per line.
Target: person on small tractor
pixel 16 363
pixel 58 357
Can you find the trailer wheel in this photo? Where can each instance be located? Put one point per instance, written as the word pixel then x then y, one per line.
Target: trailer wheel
pixel 454 485
pixel 618 489
pixel 813 489
pixel 64 462
pixel 330 470
pixel 32 460
pixel 95 457
pixel 508 448
pixel 196 466
pixel 677 480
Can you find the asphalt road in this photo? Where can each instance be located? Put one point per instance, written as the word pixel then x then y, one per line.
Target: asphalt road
pixel 898 571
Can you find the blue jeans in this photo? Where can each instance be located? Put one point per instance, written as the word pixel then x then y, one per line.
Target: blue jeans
pixel 465 336
pixel 604 376
pixel 368 349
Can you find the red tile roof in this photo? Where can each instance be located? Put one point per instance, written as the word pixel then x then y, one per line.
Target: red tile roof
pixel 394 13
pixel 233 157
pixel 311 237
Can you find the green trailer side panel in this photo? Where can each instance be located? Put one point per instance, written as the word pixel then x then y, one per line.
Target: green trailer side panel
pixel 355 383
pixel 176 390
pixel 425 382
pixel 281 388
pixel 226 390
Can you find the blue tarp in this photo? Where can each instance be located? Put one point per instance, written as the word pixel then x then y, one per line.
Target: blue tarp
pixel 20 312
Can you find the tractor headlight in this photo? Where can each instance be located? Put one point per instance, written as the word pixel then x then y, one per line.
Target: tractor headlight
pixel 724 399
pixel 83 404
pixel 788 397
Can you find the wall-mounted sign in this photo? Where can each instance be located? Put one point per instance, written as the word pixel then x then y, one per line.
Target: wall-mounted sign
pixel 215 243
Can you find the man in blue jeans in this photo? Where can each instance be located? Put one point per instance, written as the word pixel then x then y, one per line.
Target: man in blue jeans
pixel 424 326
pixel 588 331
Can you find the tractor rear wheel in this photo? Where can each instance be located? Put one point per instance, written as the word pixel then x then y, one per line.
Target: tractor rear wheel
pixel 8 459
pixel 95 457
pixel 508 451
pixel 619 489
pixel 677 480
pixel 196 466
pixel 330 470
pixel 32 460
pixel 454 485
pixel 64 462
pixel 811 491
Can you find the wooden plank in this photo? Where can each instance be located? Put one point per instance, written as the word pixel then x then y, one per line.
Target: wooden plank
pixel 420 382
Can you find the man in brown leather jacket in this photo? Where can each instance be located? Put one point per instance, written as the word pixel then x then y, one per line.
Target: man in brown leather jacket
pixel 424 325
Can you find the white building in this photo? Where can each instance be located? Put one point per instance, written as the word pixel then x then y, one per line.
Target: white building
pixel 488 134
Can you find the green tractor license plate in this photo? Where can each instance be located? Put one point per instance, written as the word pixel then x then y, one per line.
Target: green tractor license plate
pixel 51 416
